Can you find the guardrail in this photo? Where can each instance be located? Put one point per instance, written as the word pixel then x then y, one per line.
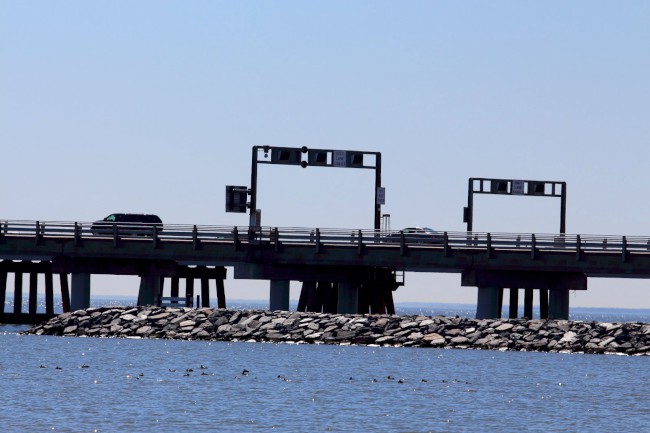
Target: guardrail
pixel 39 230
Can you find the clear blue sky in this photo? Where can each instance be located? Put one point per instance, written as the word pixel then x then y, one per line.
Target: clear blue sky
pixel 153 106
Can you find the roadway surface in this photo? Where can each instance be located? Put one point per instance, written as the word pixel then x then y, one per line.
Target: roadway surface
pixel 591 255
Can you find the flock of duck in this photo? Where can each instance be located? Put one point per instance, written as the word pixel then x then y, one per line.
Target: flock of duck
pixel 245 372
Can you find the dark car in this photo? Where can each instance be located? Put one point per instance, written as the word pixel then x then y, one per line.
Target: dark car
pixel 127 224
pixel 416 235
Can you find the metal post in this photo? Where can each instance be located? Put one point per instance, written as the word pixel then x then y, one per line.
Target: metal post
pixel 377 186
pixel 470 205
pixel 252 219
pixel 563 209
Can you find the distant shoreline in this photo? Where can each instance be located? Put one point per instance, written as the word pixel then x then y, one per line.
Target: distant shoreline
pixel 598 314
pixel 408 304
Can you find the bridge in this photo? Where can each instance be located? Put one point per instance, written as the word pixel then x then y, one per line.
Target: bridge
pixel 342 270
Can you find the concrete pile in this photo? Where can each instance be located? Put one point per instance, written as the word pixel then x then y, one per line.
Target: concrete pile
pixel 380 330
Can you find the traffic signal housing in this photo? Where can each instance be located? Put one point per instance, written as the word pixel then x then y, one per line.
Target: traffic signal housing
pixel 236 198
pixel 285 155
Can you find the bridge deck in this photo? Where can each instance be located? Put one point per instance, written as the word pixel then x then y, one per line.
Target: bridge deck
pixel 592 255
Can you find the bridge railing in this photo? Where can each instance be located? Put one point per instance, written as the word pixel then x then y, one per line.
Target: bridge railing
pixel 328 236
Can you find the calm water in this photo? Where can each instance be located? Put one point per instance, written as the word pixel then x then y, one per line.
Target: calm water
pixel 125 385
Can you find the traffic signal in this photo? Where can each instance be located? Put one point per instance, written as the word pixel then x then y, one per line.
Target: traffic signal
pixel 236 198
pixel 499 187
pixel 355 159
pixel 536 188
pixel 285 155
pixel 318 157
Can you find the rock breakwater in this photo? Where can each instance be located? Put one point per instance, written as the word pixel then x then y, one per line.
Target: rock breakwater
pixel 380 330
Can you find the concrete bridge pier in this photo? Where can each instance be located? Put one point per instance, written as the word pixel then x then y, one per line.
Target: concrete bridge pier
pixel 149 289
pixel 308 300
pixel 553 303
pixel 205 293
pixel 79 291
pixel 489 303
pixel 189 288
pixel 174 290
pixel 65 292
pixel 558 304
pixel 279 295
pixel 18 292
pixel 348 298
pixel 376 297
pixel 318 296
pixel 33 270
pixel 330 296
pixel 528 303
pixel 543 303
pixel 221 293
pixel 553 289
pixel 513 305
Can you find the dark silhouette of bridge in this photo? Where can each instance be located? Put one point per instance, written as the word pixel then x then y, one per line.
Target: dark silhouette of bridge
pixel 344 271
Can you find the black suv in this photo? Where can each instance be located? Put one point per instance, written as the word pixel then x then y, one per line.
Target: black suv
pixel 127 224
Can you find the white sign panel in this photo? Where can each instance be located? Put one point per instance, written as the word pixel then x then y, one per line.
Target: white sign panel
pixel 518 187
pixel 339 158
pixel 381 195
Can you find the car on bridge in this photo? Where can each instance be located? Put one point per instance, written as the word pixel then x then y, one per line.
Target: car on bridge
pixel 416 235
pixel 127 224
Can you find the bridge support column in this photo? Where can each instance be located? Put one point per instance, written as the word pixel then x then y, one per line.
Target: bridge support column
pixel 500 303
pixel 205 292
pixel 364 298
pixel 18 292
pixel 279 295
pixel 390 305
pixel 149 290
pixel 348 300
pixel 65 293
pixel 174 287
pixel 558 305
pixel 189 290
pixel 221 294
pixel 487 306
pixel 310 299
pixel 49 292
pixel 330 295
pixel 513 308
pixel 33 292
pixel 528 303
pixel 3 290
pixel 543 304
pixel 80 291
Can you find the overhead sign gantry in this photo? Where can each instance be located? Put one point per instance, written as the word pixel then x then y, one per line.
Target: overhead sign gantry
pixel 236 196
pixel 539 188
